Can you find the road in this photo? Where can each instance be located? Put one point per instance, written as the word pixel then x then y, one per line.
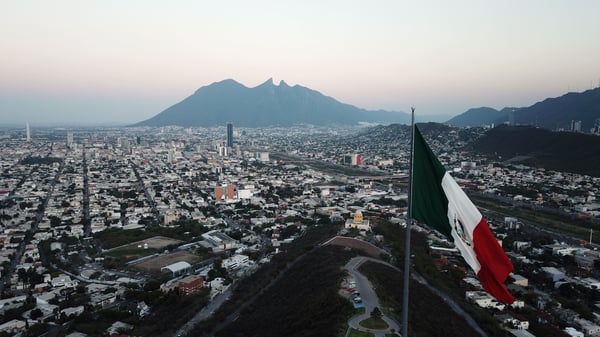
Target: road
pixel 354 263
pixel 370 300
pixel 16 258
pixel 205 313
pixel 87 227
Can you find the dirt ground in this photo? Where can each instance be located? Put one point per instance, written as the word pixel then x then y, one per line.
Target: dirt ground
pixel 156 263
pixel 356 244
pixel 156 242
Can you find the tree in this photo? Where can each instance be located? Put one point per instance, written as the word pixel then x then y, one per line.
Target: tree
pixel 36 313
pixel 376 313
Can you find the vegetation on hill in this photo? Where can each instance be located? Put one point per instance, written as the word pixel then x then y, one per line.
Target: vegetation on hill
pixel 423 304
pixel 304 302
pixel 559 151
pixel 427 312
pixel 298 293
pixel 262 286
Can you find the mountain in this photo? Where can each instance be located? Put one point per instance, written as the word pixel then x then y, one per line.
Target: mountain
pixel 551 113
pixel 559 151
pixel 557 113
pixel 265 105
pixel 480 116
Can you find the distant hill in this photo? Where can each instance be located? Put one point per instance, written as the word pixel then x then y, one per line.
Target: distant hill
pixel 560 151
pixel 557 113
pixel 480 116
pixel 265 105
pixel 551 113
pixel 394 134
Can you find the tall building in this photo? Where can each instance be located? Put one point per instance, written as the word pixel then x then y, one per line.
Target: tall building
pixel 28 133
pixel 218 193
pixel 69 139
pixel 229 134
pixel 230 191
pixel 575 126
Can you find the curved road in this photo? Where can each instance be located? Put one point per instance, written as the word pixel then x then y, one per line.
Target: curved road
pixel 354 263
pixel 370 300
pixel 365 288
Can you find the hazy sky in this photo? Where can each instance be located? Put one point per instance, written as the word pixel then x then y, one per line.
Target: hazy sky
pixel 124 61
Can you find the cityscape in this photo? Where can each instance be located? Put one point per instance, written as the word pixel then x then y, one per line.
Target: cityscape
pixel 106 229
pixel 299 169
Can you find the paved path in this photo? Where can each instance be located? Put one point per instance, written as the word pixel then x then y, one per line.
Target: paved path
pixel 370 300
pixel 365 287
pixel 204 313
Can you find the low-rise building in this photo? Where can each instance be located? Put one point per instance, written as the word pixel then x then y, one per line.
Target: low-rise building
pixel 358 222
pixel 191 284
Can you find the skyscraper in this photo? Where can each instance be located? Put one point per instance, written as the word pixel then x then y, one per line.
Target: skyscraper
pixel 28 133
pixel 69 139
pixel 229 134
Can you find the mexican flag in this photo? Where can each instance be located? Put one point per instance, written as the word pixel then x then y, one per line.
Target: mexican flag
pixel 439 202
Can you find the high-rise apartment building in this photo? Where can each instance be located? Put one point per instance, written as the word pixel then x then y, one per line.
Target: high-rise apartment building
pixel 70 139
pixel 229 134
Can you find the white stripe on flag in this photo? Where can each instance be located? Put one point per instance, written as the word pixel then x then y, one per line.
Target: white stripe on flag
pixel 464 218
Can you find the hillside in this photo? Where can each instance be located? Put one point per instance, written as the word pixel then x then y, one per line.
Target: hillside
pixel 265 105
pixel 397 135
pixel 561 151
pixel 551 113
pixel 557 113
pixel 478 117
pixel 297 295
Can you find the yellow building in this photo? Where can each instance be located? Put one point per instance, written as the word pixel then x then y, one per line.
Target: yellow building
pixel 358 222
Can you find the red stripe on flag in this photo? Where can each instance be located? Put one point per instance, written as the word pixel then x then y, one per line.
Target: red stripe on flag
pixel 495 265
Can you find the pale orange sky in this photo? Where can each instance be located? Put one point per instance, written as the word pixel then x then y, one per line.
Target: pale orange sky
pixel 124 61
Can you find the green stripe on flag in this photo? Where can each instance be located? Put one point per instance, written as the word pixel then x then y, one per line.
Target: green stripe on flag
pixel 429 202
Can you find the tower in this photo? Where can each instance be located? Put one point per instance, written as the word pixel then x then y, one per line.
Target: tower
pixel 229 134
pixel 69 139
pixel 28 132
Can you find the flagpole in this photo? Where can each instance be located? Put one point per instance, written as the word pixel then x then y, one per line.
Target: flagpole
pixel 408 225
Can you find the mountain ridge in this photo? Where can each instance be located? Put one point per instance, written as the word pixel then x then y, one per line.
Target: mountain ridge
pixel 267 104
pixel 554 113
